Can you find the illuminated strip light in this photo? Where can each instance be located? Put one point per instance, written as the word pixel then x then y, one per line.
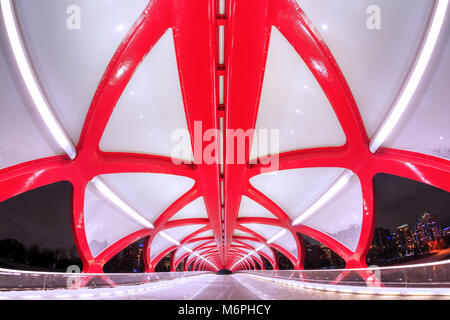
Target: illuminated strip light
pixel 199 256
pixel 107 192
pixel 31 82
pixel 329 194
pixel 43 106
pixel 278 235
pixel 187 249
pixel 394 291
pixel 414 78
pixel 96 292
pixel 242 259
pixel 167 237
pixel 418 265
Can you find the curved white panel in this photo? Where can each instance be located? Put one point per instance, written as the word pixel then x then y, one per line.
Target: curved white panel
pixel 265 249
pixel 195 209
pixel 23 137
pixel 427 129
pixel 208 233
pixel 71 62
pixel 158 245
pixel 295 189
pixel 250 208
pixel 239 233
pixel 341 217
pixel 293 103
pixel 179 233
pixel 104 222
pixel 288 242
pixel 148 193
pixel 375 62
pixel 151 107
pixel 264 230
pixel 247 251
pixel 182 251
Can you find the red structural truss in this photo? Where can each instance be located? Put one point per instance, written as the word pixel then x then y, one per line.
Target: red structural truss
pixel 247 26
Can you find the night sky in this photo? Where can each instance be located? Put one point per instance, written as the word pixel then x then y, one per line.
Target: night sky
pixel 400 201
pixel 42 216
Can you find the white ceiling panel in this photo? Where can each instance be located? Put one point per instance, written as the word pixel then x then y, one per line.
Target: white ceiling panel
pixel 250 208
pixel 296 189
pixel 195 209
pixel 70 62
pixel 151 108
pixel 23 135
pixel 104 222
pixel 148 193
pixel 426 127
pixel 375 62
pixel 341 217
pixel 293 103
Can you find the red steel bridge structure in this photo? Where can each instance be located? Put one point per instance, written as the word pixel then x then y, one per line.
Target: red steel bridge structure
pixel 224 88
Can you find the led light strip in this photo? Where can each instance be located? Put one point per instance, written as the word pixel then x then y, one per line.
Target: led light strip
pixel 275 237
pixel 98 292
pixel 176 242
pixel 31 82
pixel 44 108
pixel 327 196
pixel 414 77
pixel 106 191
pixel 357 289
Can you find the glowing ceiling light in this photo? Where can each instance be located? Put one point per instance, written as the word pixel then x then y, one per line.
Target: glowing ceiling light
pixel 414 78
pixel 199 256
pixel 278 235
pixel 331 192
pixel 30 80
pixel 114 198
pixel 260 247
pixel 166 236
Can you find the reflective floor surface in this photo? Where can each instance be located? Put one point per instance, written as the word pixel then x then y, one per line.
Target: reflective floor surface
pixel 202 287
